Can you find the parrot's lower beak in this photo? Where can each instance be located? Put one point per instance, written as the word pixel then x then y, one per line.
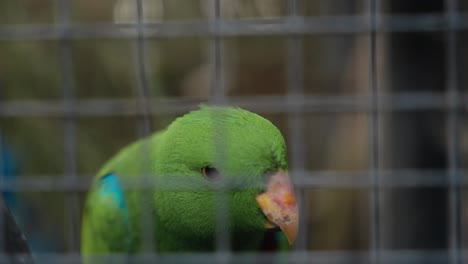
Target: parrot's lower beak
pixel 278 204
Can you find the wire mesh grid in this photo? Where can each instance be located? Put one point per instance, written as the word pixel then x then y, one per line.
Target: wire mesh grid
pixel 295 103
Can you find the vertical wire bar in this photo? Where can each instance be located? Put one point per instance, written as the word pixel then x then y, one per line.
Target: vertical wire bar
pixel 453 136
pixel 296 120
pixel 218 97
pixel 218 92
pixel 374 140
pixel 144 129
pixel 66 73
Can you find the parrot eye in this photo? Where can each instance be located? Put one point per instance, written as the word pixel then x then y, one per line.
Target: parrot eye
pixel 210 173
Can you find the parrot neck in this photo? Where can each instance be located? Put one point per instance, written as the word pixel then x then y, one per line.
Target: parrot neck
pixel 169 242
pixel 240 241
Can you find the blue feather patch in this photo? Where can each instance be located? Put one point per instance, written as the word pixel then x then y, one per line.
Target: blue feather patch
pixel 110 186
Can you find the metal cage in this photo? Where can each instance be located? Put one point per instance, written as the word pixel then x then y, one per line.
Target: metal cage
pixel 379 104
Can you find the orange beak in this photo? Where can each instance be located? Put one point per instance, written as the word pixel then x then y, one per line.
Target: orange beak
pixel 278 204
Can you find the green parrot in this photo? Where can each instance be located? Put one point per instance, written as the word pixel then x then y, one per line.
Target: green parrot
pixel 186 166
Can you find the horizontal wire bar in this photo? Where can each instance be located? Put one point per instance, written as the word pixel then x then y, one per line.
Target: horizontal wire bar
pixel 411 178
pixel 329 257
pixel 245 27
pixel 270 104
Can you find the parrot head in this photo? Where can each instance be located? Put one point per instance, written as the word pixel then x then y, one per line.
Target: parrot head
pixel 227 151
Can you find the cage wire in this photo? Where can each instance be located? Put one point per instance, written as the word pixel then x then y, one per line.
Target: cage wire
pixel 295 103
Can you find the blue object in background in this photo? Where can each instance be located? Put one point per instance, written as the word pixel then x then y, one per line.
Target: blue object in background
pixel 8 172
pixel 26 215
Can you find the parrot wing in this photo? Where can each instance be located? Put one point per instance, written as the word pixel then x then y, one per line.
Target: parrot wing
pixel 107 224
pixel 108 227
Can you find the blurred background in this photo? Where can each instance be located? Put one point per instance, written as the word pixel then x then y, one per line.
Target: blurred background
pixel 67 104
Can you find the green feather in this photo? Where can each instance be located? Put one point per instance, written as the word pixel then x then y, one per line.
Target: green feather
pixel 242 146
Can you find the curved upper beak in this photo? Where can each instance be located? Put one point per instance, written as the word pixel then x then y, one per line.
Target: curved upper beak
pixel 278 204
